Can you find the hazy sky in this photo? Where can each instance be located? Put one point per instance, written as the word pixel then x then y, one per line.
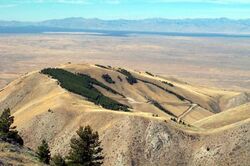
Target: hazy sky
pixel 36 10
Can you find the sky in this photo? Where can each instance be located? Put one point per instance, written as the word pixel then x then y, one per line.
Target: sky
pixel 38 10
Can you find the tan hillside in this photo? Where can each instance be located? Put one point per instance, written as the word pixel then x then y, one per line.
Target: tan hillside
pixel 16 155
pixel 216 131
pixel 230 116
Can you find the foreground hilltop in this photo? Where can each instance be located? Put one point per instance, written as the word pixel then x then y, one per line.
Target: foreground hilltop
pixel 143 119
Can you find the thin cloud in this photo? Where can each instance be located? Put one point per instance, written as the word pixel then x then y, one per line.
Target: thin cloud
pixel 113 1
pixel 129 1
pixel 66 1
pixel 201 1
pixel 8 5
pixel 71 1
pixel 51 1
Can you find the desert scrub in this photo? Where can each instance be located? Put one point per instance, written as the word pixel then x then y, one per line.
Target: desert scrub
pixel 119 78
pixel 160 107
pixel 148 73
pixel 167 90
pixel 101 66
pixel 108 79
pixel 168 83
pixel 83 85
pixel 130 78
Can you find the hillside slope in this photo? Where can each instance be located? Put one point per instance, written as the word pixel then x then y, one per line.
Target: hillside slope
pixel 16 155
pixel 230 116
pixel 143 136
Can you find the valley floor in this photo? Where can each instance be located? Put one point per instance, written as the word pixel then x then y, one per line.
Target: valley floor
pixel 218 62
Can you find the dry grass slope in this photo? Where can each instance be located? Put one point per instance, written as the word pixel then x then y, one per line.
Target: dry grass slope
pixel 15 155
pixel 136 137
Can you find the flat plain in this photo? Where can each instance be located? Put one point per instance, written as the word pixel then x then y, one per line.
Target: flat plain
pixel 209 61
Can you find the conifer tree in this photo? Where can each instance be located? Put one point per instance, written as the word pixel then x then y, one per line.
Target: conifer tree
pixel 43 152
pixel 6 120
pixel 8 133
pixel 85 149
pixel 57 160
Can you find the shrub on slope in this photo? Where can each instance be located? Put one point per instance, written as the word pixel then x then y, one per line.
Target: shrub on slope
pixel 130 78
pixel 82 84
pixel 108 79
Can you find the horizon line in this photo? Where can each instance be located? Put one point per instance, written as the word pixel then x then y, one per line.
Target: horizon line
pixel 127 19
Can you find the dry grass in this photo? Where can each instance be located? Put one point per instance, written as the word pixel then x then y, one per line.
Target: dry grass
pixel 137 137
pixel 15 155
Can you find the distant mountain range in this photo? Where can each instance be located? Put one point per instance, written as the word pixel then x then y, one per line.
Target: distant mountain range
pixel 220 25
